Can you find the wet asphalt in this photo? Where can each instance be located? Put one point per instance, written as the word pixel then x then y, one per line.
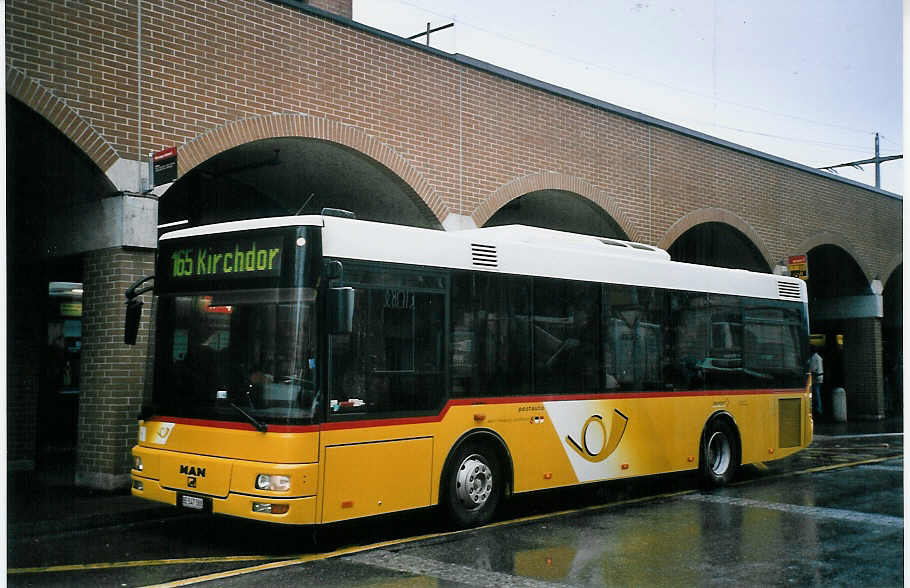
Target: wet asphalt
pixel 829 516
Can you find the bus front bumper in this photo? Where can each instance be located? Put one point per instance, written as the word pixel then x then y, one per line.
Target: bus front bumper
pixel 288 511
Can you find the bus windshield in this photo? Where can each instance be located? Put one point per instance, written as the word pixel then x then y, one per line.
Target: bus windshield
pixel 239 355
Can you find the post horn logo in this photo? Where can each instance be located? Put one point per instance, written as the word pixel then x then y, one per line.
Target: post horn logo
pixel 591 449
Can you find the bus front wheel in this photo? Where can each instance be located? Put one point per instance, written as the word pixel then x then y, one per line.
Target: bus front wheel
pixel 473 485
pixel 719 453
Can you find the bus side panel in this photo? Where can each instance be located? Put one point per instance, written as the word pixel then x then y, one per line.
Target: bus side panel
pixel 756 419
pixel 375 478
pixel 564 442
pixel 608 439
pixel 772 426
pixel 538 459
pixel 587 440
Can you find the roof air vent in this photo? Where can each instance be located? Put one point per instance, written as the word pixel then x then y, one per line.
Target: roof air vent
pixel 484 255
pixel 338 212
pixel 788 290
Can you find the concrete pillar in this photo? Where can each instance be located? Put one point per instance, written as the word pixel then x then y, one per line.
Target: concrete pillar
pixel 863 359
pixel 113 374
pixel 860 320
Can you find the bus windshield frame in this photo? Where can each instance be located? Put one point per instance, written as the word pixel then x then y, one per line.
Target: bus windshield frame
pixel 239 345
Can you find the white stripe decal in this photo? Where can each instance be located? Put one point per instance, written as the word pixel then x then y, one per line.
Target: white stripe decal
pixel 448 572
pixel 811 511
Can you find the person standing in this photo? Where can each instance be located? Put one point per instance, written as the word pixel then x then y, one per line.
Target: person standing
pixel 817 369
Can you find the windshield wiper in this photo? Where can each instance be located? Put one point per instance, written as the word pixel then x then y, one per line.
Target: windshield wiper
pixel 261 427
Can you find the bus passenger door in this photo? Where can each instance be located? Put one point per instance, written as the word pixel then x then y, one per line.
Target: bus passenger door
pixel 386 384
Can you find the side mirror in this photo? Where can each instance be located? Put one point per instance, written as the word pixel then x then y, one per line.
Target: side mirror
pixel 341 311
pixel 133 316
pixel 134 308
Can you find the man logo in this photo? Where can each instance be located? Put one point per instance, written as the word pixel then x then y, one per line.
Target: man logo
pixel 191 473
pixel 595 446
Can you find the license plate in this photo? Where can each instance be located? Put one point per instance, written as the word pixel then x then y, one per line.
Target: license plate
pixel 193 502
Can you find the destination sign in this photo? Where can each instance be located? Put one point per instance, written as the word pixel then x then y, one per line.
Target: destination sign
pixel 234 258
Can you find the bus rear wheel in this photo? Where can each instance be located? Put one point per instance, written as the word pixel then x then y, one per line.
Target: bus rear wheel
pixel 719 453
pixel 473 485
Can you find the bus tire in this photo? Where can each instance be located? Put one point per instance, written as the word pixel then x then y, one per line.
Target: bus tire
pixel 473 485
pixel 720 453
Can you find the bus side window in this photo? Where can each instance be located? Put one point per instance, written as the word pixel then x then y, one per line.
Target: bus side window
pixel 566 336
pixel 687 340
pixel 633 321
pixel 463 345
pixel 393 361
pixel 772 342
pixel 490 336
pixel 723 367
pixel 502 334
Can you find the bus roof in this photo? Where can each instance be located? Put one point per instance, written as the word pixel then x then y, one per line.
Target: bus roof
pixel 522 250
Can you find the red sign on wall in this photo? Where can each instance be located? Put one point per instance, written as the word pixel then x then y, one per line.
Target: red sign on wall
pixel 798 266
pixel 164 166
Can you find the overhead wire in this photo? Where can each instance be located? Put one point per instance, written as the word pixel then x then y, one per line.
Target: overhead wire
pixel 647 80
pixel 840 146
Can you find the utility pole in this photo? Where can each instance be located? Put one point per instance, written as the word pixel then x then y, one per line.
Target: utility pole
pixel 429 30
pixel 877 160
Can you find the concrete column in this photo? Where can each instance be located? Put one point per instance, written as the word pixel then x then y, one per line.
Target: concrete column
pixel 113 374
pixel 860 318
pixel 863 359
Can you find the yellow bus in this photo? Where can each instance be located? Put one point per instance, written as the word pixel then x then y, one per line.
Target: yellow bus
pixel 314 369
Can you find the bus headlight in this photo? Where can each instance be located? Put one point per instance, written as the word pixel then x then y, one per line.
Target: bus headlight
pixel 273 482
pixel 137 463
pixel 262 507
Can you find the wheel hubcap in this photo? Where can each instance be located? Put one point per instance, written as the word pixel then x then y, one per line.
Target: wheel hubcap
pixel 474 482
pixel 720 453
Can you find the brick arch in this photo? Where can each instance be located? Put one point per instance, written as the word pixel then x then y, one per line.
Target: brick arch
pixel 832 238
pixel 715 215
pixel 31 93
pixel 272 126
pixel 555 181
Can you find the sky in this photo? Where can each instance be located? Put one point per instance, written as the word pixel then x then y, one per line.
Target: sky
pixel 810 81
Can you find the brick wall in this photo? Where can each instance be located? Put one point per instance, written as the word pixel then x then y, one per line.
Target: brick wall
pixel 113 374
pixel 463 137
pixel 208 65
pixel 340 7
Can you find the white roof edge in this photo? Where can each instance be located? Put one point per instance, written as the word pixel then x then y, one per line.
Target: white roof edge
pixel 246 225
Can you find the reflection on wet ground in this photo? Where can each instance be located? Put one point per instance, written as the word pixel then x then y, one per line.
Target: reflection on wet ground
pixel 825 527
pixel 830 515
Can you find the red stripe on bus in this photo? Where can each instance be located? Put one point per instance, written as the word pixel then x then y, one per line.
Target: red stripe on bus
pixel 234 425
pixel 396 421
